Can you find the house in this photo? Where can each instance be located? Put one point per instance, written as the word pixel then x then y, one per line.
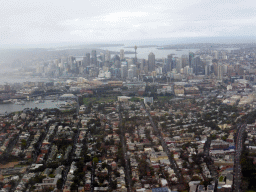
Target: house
pixel 47 183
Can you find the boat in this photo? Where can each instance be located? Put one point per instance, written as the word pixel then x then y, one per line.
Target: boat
pixel 7 101
pixel 19 103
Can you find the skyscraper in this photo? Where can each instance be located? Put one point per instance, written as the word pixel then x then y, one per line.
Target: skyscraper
pixel 102 56
pixel 124 70
pixel 196 64
pixel 135 58
pixel 144 66
pixel 151 62
pixel 169 63
pixel 94 57
pixel 207 70
pixel 107 56
pixel 178 64
pixel 216 56
pixel 121 54
pixel 87 59
pixel 184 60
pixel 191 56
pixel 220 71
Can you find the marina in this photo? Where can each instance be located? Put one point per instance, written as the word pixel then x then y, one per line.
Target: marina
pixel 40 104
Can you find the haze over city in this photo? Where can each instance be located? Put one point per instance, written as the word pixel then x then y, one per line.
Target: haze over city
pixel 127 96
pixel 57 22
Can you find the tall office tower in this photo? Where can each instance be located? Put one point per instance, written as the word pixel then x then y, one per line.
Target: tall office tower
pixel 80 67
pixel 215 68
pixel 84 61
pixel 56 62
pixel 151 62
pixel 71 60
pixel 225 69
pixel 178 64
pixel 220 71
pixel 134 70
pixel 130 74
pixel 116 60
pixel 121 54
pixel 187 70
pixel 73 66
pixel 216 54
pixel 224 55
pixel 207 70
pixel 63 64
pixel 195 63
pixel 208 60
pixel 230 70
pixel 144 66
pixel 190 57
pixel 184 60
pixel 94 57
pixel 102 56
pixel 87 59
pixel 130 62
pixel 107 56
pixel 124 70
pixel 117 64
pixel 169 63
pixel 135 58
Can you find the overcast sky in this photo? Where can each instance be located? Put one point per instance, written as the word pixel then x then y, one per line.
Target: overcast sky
pixel 54 21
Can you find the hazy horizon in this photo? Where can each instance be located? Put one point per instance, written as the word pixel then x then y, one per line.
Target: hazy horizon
pixel 30 23
pixel 157 42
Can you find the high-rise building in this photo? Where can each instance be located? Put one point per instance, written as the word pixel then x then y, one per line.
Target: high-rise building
pixel 71 59
pixel 71 62
pixel 135 58
pixel 225 69
pixel 195 64
pixel 121 54
pixel 151 62
pixel 144 66
pixel 224 55
pixel 107 56
pixel 216 56
pixel 208 60
pixel 207 70
pixel 102 56
pixel 178 64
pixel 133 72
pixel 130 62
pixel 169 63
pixel 190 57
pixel 220 71
pixel 124 70
pixel 184 60
pixel 116 60
pixel 87 61
pixel 94 57
pixel 187 70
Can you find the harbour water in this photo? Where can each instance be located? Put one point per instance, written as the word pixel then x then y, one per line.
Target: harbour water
pixel 49 104
pixel 142 53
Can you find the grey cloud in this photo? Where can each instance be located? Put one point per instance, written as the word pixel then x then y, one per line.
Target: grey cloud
pixel 30 21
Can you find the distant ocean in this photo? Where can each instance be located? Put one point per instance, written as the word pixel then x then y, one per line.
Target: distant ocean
pixel 7 76
pixel 142 53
